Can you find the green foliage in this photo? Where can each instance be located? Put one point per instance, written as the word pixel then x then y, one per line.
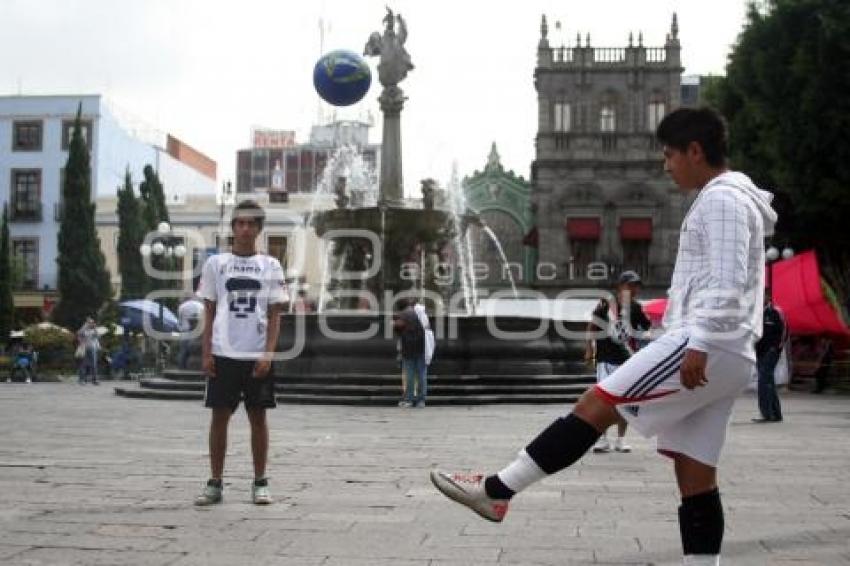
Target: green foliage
pixel 153 197
pixel 131 234
pixel 55 345
pixel 84 282
pixel 49 337
pixel 7 306
pixel 154 211
pixel 17 271
pixel 785 97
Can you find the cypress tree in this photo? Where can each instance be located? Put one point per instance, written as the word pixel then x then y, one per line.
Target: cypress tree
pixel 131 234
pixel 7 305
pixel 154 211
pixel 153 196
pixel 84 282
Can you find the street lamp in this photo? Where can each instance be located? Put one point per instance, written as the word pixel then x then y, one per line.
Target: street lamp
pixel 771 255
pixel 165 245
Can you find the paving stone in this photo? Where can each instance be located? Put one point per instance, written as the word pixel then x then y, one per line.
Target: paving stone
pixel 90 478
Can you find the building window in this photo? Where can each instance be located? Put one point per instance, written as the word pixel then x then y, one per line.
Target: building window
pixel 25 252
pixel 636 256
pixel 26 194
pixel 607 119
pixel 26 136
pixel 291 175
pixel 655 113
pixel 224 243
pixel 583 254
pixel 276 246
pixel 243 171
pixel 305 184
pixel 260 169
pixel 68 131
pixel 563 117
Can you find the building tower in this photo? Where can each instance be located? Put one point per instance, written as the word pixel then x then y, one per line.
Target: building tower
pixel 602 200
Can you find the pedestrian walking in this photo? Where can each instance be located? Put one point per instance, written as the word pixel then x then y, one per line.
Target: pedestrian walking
pixel 768 351
pixel 412 336
pixel 189 315
pixel 681 387
pixel 88 351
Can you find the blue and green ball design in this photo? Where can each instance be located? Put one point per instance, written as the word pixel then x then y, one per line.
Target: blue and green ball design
pixel 342 77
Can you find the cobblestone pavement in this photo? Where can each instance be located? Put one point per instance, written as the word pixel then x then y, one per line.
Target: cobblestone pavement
pixel 87 477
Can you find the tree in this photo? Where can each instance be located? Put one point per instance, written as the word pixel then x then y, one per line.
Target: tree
pixel 84 282
pixel 153 196
pixel 7 305
pixel 785 97
pixel 155 211
pixel 131 234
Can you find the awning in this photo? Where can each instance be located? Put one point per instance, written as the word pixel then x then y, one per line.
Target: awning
pixel 798 291
pixel 636 229
pixel 584 228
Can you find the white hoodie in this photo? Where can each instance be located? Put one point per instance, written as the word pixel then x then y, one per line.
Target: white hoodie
pixel 717 291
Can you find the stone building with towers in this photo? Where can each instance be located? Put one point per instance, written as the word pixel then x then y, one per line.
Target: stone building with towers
pixel 600 198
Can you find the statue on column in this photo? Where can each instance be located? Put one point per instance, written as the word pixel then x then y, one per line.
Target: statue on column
pixel 395 61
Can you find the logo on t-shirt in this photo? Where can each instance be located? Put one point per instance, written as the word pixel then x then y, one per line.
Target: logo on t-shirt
pixel 242 295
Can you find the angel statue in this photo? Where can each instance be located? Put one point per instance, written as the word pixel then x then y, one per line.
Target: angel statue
pixel 395 61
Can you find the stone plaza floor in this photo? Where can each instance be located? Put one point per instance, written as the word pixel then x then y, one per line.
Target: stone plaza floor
pixel 90 478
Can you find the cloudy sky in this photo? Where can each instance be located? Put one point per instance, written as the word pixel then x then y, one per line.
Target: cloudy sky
pixel 207 71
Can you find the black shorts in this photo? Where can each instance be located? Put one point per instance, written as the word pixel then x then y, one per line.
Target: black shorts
pixel 234 382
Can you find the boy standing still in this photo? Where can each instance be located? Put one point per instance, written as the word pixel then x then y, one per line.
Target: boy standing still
pixel 681 387
pixel 243 293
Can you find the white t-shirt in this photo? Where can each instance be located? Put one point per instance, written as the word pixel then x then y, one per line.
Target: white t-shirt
pixel 242 287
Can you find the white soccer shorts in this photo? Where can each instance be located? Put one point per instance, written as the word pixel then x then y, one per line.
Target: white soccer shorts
pixel 604 369
pixel 648 392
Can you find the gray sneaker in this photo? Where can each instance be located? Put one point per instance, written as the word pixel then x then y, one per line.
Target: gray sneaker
pixel 210 496
pixel 260 494
pixel 468 489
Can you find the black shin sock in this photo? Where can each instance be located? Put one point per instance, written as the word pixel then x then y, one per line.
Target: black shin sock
pixel 558 446
pixel 701 523
pixel 562 443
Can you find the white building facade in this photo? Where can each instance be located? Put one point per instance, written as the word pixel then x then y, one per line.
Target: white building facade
pixel 34 137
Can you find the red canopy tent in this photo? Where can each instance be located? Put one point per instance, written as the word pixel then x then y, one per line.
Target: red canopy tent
pixel 654 309
pixel 798 291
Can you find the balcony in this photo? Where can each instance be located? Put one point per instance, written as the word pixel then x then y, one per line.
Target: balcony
pixel 278 196
pixel 28 213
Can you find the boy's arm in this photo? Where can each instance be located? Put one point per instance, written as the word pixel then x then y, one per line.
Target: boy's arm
pixel 263 365
pixel 208 363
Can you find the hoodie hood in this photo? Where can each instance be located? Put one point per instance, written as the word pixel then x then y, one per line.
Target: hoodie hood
pixel 760 198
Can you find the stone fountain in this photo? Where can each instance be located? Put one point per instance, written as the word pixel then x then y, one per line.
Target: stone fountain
pixel 374 246
pixel 347 355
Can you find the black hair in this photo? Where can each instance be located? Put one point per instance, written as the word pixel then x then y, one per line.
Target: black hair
pixel 248 209
pixel 701 125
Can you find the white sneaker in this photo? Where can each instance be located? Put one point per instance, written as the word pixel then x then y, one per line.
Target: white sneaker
pixel 621 446
pixel 701 560
pixel 210 496
pixel 260 494
pixel 468 489
pixel 602 445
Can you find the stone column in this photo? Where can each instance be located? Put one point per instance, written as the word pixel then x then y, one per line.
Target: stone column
pixel 391 185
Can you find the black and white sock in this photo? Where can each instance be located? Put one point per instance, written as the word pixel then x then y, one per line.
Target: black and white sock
pixel 560 445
